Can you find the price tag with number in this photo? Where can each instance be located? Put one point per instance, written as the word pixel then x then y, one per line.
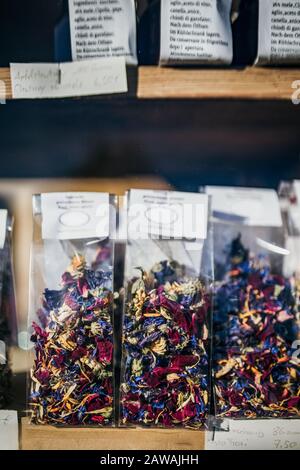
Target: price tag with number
pixel 272 434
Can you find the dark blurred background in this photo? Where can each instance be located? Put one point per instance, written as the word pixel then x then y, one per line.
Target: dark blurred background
pixel 189 143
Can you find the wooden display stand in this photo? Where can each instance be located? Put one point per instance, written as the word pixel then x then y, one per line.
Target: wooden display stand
pixel 51 438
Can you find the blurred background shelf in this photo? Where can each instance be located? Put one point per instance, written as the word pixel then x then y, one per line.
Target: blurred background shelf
pixel 193 83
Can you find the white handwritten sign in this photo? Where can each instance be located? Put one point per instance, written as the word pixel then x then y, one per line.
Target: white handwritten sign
pixel 9 434
pixel 270 434
pixel 88 77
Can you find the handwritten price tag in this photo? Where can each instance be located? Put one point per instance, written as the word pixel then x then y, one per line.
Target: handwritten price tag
pixel 286 435
pixel 88 77
pixel 273 434
pixel 9 434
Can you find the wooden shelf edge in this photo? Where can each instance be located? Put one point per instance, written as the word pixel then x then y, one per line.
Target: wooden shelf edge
pixel 5 84
pixel 35 437
pixel 251 83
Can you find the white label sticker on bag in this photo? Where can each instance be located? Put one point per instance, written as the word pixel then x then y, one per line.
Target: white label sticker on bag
pixel 278 32
pixel 167 214
pixel 196 32
pixel 269 434
pixel 3 221
pixel 67 216
pixel 103 28
pixel 249 206
pixel 9 434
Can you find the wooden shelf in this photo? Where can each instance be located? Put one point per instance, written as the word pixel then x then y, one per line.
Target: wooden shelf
pixel 5 93
pixel 52 438
pixel 251 83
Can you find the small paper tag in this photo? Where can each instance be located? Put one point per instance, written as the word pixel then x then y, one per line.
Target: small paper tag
pixel 3 222
pixel 67 216
pixel 248 206
pixel 9 433
pixel 103 28
pixel 196 32
pixel 167 214
pixel 271 434
pixel 278 32
pixel 88 77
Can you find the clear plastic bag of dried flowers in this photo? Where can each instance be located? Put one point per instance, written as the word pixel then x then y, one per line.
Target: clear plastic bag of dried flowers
pixel 71 328
pixel 166 334
pixel 256 369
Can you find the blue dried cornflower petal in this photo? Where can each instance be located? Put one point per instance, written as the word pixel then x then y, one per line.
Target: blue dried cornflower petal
pixel 54 298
